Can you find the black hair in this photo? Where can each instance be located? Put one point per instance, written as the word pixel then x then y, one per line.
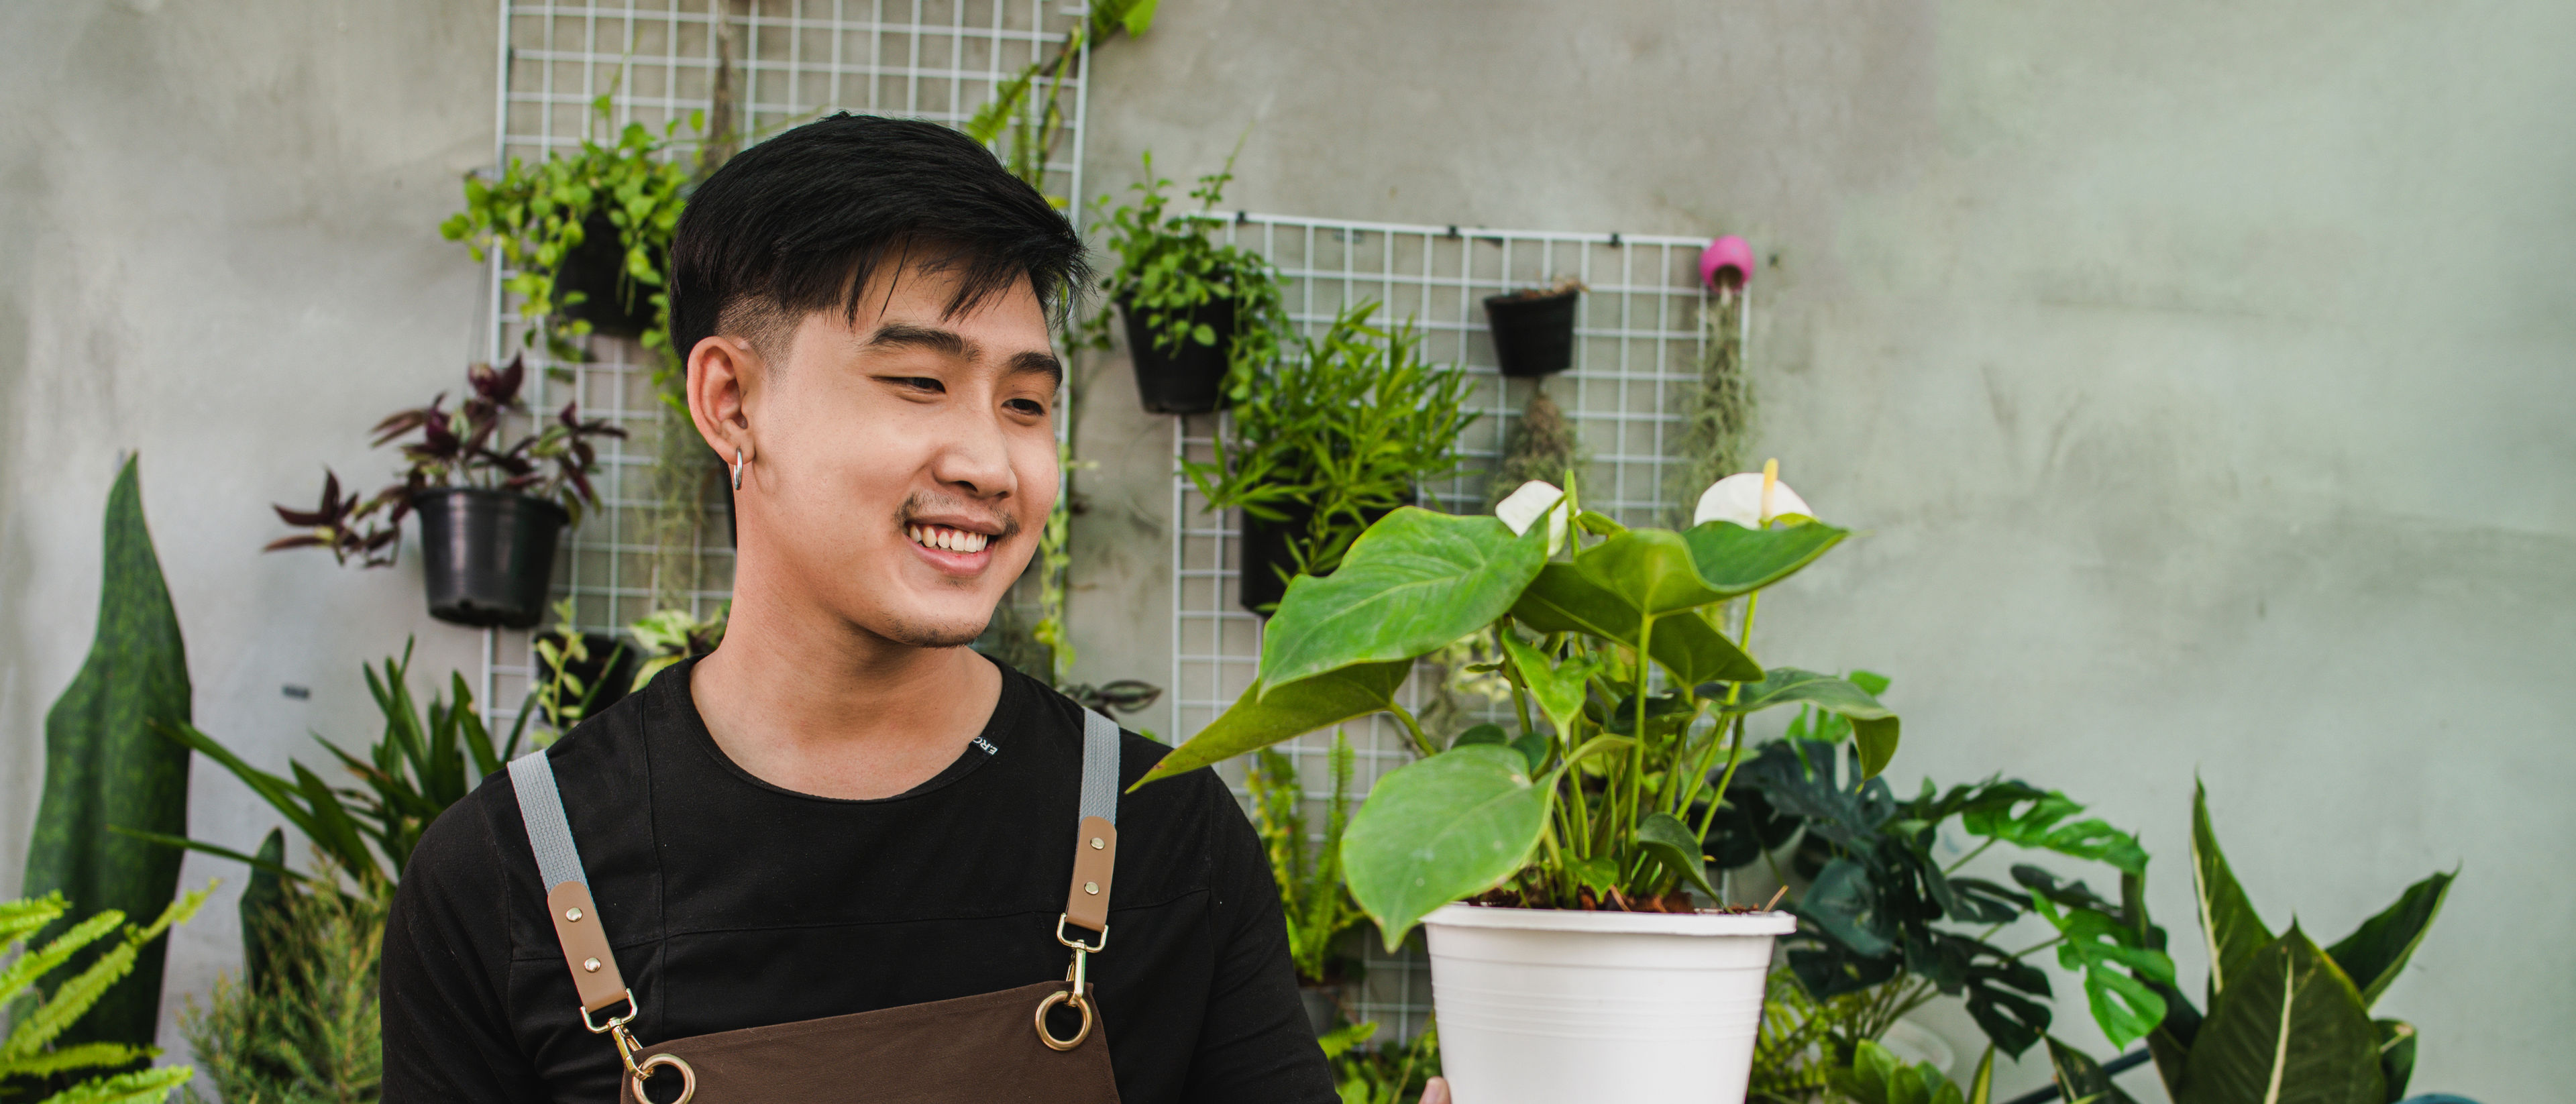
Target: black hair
pixel 797 224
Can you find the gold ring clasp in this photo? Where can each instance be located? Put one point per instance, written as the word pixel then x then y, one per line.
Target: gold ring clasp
pixel 1047 1005
pixel 688 1077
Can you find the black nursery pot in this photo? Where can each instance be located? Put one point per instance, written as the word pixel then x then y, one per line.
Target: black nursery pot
pixel 595 268
pixel 1190 381
pixel 1533 335
pixel 486 556
pixel 1266 562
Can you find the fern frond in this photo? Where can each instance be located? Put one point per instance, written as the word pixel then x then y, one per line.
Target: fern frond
pixel 82 1056
pixel 150 1086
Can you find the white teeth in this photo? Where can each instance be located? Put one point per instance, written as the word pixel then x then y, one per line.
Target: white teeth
pixel 946 539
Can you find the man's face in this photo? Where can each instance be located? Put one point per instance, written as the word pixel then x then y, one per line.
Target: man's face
pixel 904 466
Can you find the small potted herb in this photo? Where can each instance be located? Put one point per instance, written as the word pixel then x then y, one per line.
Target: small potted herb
pixel 489 511
pixel 1330 440
pixel 1534 328
pixel 1201 317
pixel 1576 841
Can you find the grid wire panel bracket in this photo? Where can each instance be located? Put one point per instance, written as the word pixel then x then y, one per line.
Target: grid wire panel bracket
pixel 789 61
pixel 1638 340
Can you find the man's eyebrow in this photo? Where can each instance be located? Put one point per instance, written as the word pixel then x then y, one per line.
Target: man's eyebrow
pixel 903 334
pixel 1036 363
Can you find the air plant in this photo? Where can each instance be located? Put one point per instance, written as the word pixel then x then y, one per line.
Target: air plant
pixel 456 448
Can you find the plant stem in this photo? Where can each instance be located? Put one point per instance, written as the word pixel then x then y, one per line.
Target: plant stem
pixel 1421 742
pixel 2039 947
pixel 1645 674
pixel 1971 856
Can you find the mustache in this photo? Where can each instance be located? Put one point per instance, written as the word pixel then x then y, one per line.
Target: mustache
pixel 916 505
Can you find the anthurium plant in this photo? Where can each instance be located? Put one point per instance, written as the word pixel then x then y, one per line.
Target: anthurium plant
pixel 1630 699
pixel 463 447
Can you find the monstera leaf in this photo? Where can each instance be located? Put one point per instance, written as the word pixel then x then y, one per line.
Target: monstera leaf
pixel 1416 581
pixel 1441 829
pixel 1258 720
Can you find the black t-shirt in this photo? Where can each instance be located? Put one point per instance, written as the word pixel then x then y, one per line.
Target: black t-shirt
pixel 733 903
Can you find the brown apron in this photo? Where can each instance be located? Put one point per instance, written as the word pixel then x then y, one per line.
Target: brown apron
pixel 995 1047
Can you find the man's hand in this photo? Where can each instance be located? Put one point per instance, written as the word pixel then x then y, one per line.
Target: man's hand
pixel 1437 1092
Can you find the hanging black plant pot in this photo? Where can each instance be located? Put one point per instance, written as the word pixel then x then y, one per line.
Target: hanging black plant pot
pixel 611 303
pixel 1533 334
pixel 486 556
pixel 1267 565
pixel 1190 380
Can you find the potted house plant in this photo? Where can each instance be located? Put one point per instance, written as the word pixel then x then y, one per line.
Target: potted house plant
pixel 1201 317
pixel 1333 438
pixel 489 511
pixel 1534 328
pixel 1574 839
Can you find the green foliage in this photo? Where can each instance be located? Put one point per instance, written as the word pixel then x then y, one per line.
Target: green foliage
pixel 671 635
pixel 1026 114
pixel 420 765
pixel 1336 434
pixel 1717 416
pixel 42 1045
pixel 1170 266
pixel 1318 906
pixel 1572 815
pixel 563 697
pixel 1388 1073
pixel 304 1030
pixel 533 216
pixel 104 766
pixel 1878 1076
pixel 2288 1023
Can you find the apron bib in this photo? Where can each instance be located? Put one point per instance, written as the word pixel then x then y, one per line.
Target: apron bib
pixel 1036 1042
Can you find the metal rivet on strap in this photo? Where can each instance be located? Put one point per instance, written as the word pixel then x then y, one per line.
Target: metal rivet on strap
pixel 1091 887
pixel 573 915
pixel 1096 844
pixel 590 964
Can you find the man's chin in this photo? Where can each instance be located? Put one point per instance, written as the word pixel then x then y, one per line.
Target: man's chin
pixel 922 632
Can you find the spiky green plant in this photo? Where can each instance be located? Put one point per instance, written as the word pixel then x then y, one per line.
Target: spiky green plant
pixel 104 766
pixel 302 1029
pixel 1318 906
pixel 38 1050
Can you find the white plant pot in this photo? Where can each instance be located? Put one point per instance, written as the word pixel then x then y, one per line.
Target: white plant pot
pixel 1548 1006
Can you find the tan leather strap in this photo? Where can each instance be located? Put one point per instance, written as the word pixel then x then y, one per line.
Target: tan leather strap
pixel 578 929
pixel 1095 847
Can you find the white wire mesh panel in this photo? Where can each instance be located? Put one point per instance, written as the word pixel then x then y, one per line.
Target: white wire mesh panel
pixel 786 62
pixel 1638 340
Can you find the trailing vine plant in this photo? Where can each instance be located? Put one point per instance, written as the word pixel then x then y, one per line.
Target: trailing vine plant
pixel 1717 415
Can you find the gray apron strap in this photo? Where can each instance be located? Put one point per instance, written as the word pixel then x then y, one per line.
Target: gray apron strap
pixel 568 904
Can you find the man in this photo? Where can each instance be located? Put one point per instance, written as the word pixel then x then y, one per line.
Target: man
pixel 843 809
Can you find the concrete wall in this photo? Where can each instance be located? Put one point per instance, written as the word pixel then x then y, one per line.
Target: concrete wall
pixel 218 245
pixel 2189 367
pixel 2197 373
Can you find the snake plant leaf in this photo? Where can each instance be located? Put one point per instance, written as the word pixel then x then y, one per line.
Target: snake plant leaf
pixel 1672 844
pixel 1651 569
pixel 1439 830
pixel 1732 559
pixel 2376 953
pixel 2227 918
pixel 1257 719
pixel 2080 1079
pixel 1558 687
pixel 263 914
pixel 104 764
pixel 1561 599
pixel 1874 726
pixel 2288 1029
pixel 1416 581
pixel 2396 1055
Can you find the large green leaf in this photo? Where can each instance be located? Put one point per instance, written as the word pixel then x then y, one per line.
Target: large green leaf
pixel 2106 951
pixel 1258 720
pixel 2227 918
pixel 1874 726
pixel 1557 686
pixel 1561 599
pixel 105 765
pixel 1878 1076
pixel 1672 843
pixel 2288 1029
pixel 2396 1056
pixel 2043 826
pixel 1732 559
pixel 2374 954
pixel 1441 829
pixel 2080 1079
pixel 1651 569
pixel 1414 582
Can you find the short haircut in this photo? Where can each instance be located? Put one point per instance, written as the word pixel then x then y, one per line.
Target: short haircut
pixel 798 224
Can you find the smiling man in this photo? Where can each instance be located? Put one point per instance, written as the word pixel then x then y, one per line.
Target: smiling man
pixel 830 861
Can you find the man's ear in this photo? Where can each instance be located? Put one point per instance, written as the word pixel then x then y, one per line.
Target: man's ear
pixel 722 370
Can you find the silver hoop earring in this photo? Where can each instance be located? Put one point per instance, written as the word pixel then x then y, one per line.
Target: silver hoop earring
pixel 737 469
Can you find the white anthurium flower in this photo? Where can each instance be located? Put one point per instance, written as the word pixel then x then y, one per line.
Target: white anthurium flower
pixel 1535 499
pixel 1739 499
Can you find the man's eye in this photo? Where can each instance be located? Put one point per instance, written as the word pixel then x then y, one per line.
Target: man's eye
pixel 922 383
pixel 1031 407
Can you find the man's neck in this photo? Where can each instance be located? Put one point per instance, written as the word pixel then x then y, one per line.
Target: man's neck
pixel 807 702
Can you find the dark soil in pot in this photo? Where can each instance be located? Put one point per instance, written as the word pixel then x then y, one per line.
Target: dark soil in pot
pixel 1533 334
pixel 1266 562
pixel 1190 380
pixel 486 556
pixel 612 304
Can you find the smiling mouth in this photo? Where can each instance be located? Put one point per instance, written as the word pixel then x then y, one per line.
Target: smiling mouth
pixel 946 539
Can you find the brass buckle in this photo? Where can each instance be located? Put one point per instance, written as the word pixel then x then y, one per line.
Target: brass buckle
pixel 1063 918
pixel 602 1029
pixel 688 1077
pixel 1052 1000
